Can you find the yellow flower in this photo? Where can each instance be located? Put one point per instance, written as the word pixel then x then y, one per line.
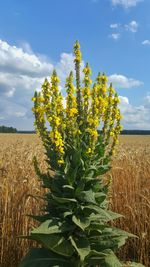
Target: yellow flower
pixel 77 52
pixel 60 161
pixel 89 151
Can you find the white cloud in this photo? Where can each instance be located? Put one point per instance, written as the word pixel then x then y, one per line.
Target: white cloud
pixel 15 60
pixel 134 117
pixel 147 100
pixel 115 36
pixel 126 3
pixel 10 92
pixel 19 114
pixel 21 73
pixel 114 26
pixel 10 110
pixel 146 42
pixel 26 47
pixel 123 100
pixel 132 26
pixel 122 81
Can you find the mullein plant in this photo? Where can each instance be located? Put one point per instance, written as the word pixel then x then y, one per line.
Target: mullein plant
pixel 74 229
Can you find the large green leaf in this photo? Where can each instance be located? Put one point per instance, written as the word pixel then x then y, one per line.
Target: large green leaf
pixel 64 200
pixel 82 246
pixel 56 243
pixel 40 218
pixel 109 238
pixel 96 226
pixel 111 260
pixel 81 222
pixel 48 227
pixel 87 196
pixel 106 258
pixel 41 257
pixel 100 214
pixel 52 226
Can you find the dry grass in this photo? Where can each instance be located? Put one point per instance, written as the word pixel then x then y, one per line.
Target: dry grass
pixel 130 194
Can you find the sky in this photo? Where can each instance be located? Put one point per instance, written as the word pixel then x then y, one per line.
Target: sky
pixel 37 36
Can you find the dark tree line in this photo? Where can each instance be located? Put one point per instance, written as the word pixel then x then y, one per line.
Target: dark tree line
pixel 135 132
pixel 5 129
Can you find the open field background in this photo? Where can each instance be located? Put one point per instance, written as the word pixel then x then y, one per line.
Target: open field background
pixel 130 194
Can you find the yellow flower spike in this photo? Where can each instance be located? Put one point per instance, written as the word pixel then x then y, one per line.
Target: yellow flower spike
pixel 77 60
pixel 101 95
pixel 77 52
pixel 86 91
pixel 46 93
pixel 38 111
pixel 116 130
pixel 93 118
pixel 114 116
pixel 56 116
pixel 108 114
pixel 71 106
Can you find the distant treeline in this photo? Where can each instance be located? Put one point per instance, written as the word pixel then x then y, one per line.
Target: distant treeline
pixel 124 132
pixel 136 132
pixel 5 129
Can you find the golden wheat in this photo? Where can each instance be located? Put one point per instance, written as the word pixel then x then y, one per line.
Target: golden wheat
pixel 130 194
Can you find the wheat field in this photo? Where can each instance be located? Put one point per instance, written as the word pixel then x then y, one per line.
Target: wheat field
pixel 19 188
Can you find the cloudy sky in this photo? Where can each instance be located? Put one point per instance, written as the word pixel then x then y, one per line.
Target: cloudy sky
pixel 37 36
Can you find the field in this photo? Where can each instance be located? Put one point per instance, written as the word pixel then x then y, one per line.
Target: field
pixel 129 195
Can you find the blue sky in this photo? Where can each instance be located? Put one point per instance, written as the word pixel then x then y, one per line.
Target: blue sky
pixel 37 36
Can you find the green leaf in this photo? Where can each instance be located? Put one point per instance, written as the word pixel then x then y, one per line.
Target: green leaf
pixel 102 169
pixel 82 222
pixel 48 227
pixel 64 200
pixel 134 264
pixel 68 187
pixel 67 213
pixel 82 246
pixel 111 260
pixel 41 257
pixel 52 226
pixel 106 258
pixel 100 214
pixel 39 218
pixel 67 167
pixel 109 238
pixel 96 226
pixel 87 196
pixel 114 215
pixel 100 197
pixel 56 243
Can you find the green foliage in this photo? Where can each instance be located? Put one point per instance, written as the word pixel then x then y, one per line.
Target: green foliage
pixel 74 229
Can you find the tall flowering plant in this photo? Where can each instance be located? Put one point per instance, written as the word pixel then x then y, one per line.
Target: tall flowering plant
pixel 74 229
